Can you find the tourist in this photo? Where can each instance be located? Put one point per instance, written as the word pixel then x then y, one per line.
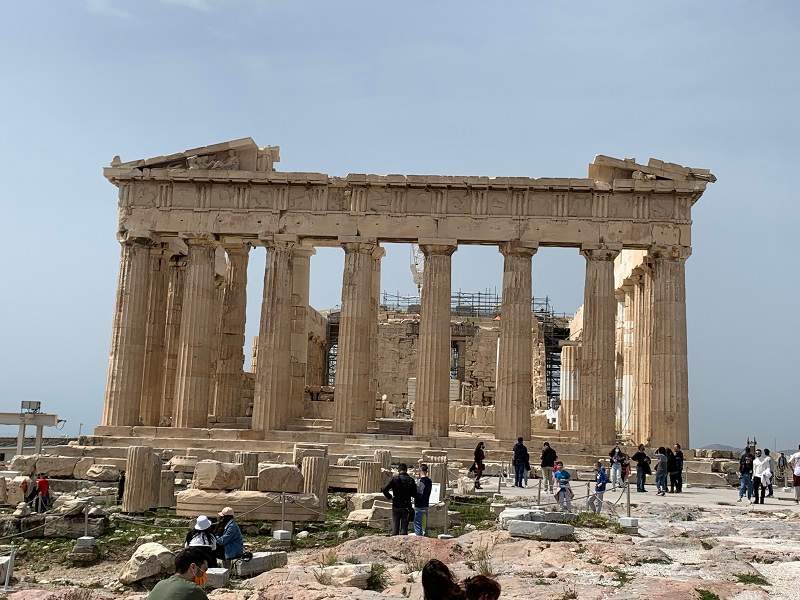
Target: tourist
pixel 477 465
pixel 422 501
pixel 642 468
pixel 438 582
pixel 616 457
pixel 677 476
pixel 794 463
pixel 481 587
pixel 186 583
pixel 521 461
pixel 670 469
pixel 601 479
pixel 783 468
pixel 401 489
pixel 200 536
pixel 121 487
pixel 661 471
pixel 768 476
pixel 746 474
pixel 231 540
pixel 564 493
pixel 760 465
pixel 547 462
pixel 42 499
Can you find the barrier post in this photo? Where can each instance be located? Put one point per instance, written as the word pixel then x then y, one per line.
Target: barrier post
pixel 628 496
pixel 283 510
pixel 10 567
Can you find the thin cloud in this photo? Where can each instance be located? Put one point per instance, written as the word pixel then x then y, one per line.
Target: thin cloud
pixel 199 5
pixel 107 8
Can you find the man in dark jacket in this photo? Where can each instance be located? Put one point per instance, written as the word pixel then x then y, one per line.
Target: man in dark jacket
pixel 642 468
pixel 746 474
pixel 548 461
pixel 678 468
pixel 422 500
pixel 520 461
pixel 401 489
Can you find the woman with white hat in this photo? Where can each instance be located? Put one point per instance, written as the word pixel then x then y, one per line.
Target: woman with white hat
pixel 200 536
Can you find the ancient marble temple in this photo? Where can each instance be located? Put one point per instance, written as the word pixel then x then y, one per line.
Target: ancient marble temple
pixel 188 222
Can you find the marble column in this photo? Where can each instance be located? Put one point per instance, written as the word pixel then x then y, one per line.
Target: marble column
pixel 126 358
pixel 230 360
pixel 375 301
pixel 597 391
pixel 153 378
pixel 273 381
pixel 351 392
pixel 432 405
pixel 515 359
pixel 193 372
pixel 643 337
pixel 569 386
pixel 142 480
pixel 670 383
pixel 619 340
pixel 301 273
pixel 628 360
pixel 172 333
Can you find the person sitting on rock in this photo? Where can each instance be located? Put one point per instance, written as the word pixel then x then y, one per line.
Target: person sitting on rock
pixel 231 540
pixel 200 537
pixel 564 493
pixel 190 576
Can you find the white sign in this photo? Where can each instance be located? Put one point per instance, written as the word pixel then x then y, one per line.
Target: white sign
pixel 436 491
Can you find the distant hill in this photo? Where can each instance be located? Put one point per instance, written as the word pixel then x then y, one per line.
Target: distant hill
pixel 721 447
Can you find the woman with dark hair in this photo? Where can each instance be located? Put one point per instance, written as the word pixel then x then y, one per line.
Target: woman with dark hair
pixel 201 536
pixel 438 582
pixel 661 471
pixel 478 466
pixel 672 467
pixel 481 587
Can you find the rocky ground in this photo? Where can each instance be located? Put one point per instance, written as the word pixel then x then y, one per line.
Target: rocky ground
pixel 686 548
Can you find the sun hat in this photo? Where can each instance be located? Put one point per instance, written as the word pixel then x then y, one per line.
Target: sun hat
pixel 226 512
pixel 203 523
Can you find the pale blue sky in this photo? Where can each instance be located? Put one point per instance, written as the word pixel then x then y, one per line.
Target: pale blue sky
pixel 512 88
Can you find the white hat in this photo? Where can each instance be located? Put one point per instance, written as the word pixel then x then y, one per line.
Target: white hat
pixel 203 523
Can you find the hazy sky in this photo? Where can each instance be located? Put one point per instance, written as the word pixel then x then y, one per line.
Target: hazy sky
pixel 480 88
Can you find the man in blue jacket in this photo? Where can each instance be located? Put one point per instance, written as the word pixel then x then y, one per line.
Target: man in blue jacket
pixel 231 539
pixel 422 501
pixel 601 479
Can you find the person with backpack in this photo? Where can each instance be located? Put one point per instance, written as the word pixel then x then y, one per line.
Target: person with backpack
pixel 422 501
pixel 521 461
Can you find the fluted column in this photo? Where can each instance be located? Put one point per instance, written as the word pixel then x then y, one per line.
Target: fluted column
pixel 597 402
pixel 569 386
pixel 273 382
pixel 301 273
pixel 172 333
pixel 514 384
pixel 643 349
pixel 431 408
pixel 230 361
pixel 619 340
pixel 670 384
pixel 153 378
pixel 375 300
pixel 126 357
pixel 193 373
pixel 628 360
pixel 351 391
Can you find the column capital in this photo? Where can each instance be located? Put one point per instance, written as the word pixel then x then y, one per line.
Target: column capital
pixel 193 238
pixel 304 251
pixel 438 249
pixel 378 253
pixel 519 248
pixel 358 244
pixel 664 252
pixel 137 236
pixel 601 252
pixel 235 244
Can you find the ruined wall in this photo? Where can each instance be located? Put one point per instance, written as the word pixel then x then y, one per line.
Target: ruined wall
pixel 480 365
pixel 539 371
pixel 397 359
pixel 317 347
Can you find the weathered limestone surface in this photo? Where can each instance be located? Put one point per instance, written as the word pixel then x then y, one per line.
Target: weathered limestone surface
pixel 273 385
pixel 315 478
pixel 431 416
pixel 142 480
pixel 375 292
pixel 670 387
pixel 370 477
pixel 352 402
pixel 384 457
pixel 126 359
pixel 279 478
pixel 301 272
pixel 215 475
pixel 153 378
pixel 194 376
pixel 166 489
pixel 597 392
pixel 249 461
pixel 230 360
pixel 56 466
pixel 259 506
pixel 148 560
pixel 570 386
pixel 514 383
pixel 628 362
pixel 643 350
pixel 172 333
pixel 303 449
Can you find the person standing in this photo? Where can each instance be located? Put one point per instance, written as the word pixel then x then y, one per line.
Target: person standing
pixel 670 469
pixel 477 465
pixel 422 500
pixel 230 541
pixel 794 464
pixel 661 471
pixel 760 464
pixel 601 479
pixel 547 462
pixel 564 493
pixel 520 461
pixel 783 468
pixel 400 490
pixel 42 488
pixel 746 474
pixel 678 452
pixel 616 458
pixel 642 468
pixel 186 583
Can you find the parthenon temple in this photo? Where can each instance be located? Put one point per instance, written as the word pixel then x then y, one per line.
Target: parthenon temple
pixel 188 222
